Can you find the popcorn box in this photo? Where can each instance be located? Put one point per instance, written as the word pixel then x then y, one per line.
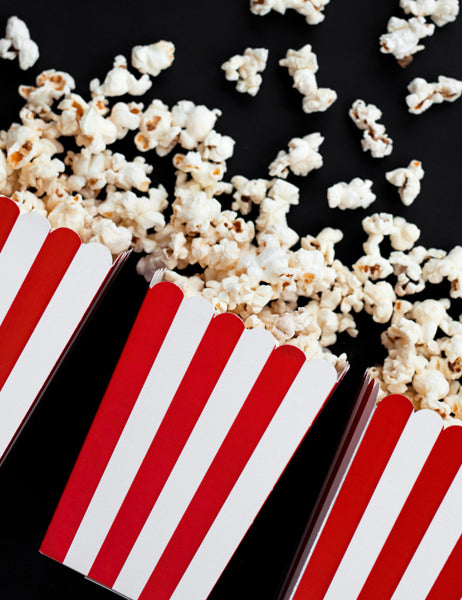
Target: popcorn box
pixel 50 281
pixel 388 524
pixel 197 424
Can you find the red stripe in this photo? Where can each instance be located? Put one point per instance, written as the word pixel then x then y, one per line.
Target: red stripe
pixel 372 456
pixel 429 490
pixel 9 212
pixel 35 293
pixel 359 406
pixel 143 344
pixel 250 424
pixel 448 585
pixel 198 383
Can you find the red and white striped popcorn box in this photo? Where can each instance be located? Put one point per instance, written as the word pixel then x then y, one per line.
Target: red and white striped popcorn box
pixel 197 424
pixel 49 281
pixel 388 525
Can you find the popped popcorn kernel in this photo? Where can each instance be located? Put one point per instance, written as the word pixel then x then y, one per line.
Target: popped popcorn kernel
pixel 375 138
pixel 17 43
pixel 407 180
pixel 245 69
pixel 302 157
pixel 355 194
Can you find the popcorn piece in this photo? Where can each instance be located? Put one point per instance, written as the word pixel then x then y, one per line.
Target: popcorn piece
pixel 96 132
pixel 216 147
pixel 248 192
pixel 310 9
pixel 50 85
pixel 403 37
pixel 157 129
pixel 447 267
pixel 423 94
pixel 403 235
pixel 195 122
pixel 126 117
pixel 302 157
pixel 246 68
pixel 441 12
pixel 120 81
pixel 379 298
pixel 17 43
pixel 446 12
pixel 375 139
pixel 407 180
pixel 303 65
pixel 356 194
pixel 117 239
pixel 153 58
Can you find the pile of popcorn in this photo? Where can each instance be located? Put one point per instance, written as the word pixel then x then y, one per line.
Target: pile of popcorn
pixel 260 269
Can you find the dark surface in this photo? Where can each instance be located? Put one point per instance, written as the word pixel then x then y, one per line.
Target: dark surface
pixel 82 38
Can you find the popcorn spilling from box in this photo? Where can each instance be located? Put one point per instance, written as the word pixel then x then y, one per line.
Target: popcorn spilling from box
pixel 257 267
pixel 49 282
pixel 168 482
pixel 387 528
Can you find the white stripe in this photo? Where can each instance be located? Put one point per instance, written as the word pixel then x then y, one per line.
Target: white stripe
pixel 227 398
pixel 175 354
pixel 367 408
pixel 289 425
pixel 436 546
pixel 398 478
pixel 51 335
pixel 17 255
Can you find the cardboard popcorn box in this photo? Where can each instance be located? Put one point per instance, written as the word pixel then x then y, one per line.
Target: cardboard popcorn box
pixel 49 283
pixel 197 424
pixel 388 525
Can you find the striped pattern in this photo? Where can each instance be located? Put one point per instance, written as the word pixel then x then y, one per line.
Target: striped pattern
pixel 392 529
pixel 198 422
pixel 49 280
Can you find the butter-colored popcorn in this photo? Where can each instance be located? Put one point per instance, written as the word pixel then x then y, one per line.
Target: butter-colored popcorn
pixel 126 117
pixel 356 194
pixel 378 300
pixel 302 157
pixel 129 174
pixel 423 94
pixel 28 202
pixel 205 176
pixel 403 37
pixel 157 129
pixel 302 65
pixel 375 138
pixel 372 267
pixel 404 235
pixel 407 180
pixel 116 238
pixel 245 69
pixel 153 58
pixel 96 132
pixel 119 81
pixel 447 267
pixel 17 43
pixel 216 147
pixel 195 122
pixel 441 12
pixel 310 9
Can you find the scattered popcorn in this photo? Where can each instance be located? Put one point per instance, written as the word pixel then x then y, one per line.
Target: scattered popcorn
pixel 17 43
pixel 302 157
pixel 441 12
pixel 154 58
pixel 375 139
pixel 356 194
pixel 403 37
pixel 407 180
pixel 246 68
pixel 303 65
pixel 258 267
pixel 423 94
pixel 310 9
pixel 120 81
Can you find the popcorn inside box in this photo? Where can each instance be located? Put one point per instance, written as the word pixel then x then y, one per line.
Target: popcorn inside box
pixel 50 283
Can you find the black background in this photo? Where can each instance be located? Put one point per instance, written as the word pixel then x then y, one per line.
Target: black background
pixel 82 38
